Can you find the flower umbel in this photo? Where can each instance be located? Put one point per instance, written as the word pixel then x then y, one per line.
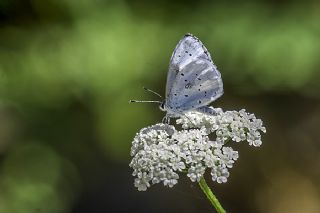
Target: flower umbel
pixel 161 152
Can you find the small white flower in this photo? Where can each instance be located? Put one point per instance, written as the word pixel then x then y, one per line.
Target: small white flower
pixel 160 152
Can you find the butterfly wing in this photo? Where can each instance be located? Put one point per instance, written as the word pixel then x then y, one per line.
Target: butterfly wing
pixel 193 80
pixel 179 57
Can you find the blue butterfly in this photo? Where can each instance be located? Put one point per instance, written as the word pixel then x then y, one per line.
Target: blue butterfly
pixel 193 80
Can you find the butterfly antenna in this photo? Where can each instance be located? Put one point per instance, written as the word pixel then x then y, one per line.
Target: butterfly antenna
pixel 137 101
pixel 149 90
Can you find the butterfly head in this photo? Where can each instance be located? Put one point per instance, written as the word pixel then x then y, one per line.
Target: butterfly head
pixel 162 106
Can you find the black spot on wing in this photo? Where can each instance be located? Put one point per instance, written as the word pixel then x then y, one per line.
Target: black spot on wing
pixel 188 85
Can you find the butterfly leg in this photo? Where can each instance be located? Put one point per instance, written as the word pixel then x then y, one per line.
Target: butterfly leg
pixel 188 119
pixel 207 110
pixel 166 119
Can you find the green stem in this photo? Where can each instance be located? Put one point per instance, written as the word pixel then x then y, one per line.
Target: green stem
pixel 211 197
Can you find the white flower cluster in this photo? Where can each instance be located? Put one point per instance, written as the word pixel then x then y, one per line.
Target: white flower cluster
pixel 160 152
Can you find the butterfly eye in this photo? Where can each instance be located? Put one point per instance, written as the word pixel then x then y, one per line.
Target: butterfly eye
pixel 162 107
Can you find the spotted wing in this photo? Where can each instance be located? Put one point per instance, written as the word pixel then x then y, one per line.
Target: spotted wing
pixel 193 80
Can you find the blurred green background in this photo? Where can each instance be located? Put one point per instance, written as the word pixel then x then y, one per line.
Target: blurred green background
pixel 68 69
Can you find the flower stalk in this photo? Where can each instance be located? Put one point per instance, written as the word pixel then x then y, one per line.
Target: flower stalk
pixel 211 197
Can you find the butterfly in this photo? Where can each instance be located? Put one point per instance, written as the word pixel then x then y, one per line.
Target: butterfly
pixel 193 80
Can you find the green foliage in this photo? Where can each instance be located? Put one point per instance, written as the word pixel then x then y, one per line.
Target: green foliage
pixel 32 174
